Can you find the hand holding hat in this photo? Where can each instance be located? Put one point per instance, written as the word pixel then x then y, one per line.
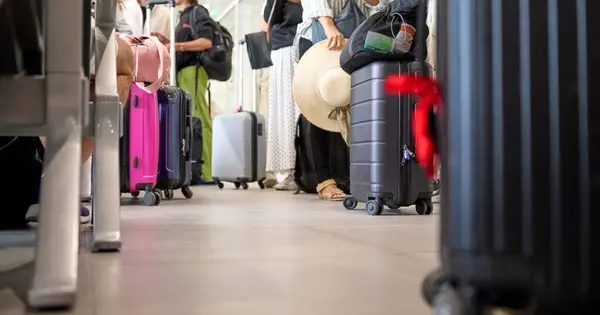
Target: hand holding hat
pixel 322 89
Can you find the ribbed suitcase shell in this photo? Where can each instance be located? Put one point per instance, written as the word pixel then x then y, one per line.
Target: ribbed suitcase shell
pixel 521 159
pixel 239 148
pixel 140 155
pixel 175 158
pixel 382 165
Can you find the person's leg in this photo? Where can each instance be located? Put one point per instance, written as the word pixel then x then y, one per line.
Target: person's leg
pixel 287 115
pixel 194 80
pixel 273 131
pixel 321 149
pixel 87 148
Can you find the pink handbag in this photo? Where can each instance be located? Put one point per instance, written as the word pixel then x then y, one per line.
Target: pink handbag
pixel 152 61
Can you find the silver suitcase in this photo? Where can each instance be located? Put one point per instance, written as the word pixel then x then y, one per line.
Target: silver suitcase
pixel 239 145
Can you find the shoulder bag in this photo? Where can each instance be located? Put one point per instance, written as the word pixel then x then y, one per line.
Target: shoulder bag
pixel 257 44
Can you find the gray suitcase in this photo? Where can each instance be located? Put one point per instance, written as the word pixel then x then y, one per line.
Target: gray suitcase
pixel 239 149
pixel 239 153
pixel 383 169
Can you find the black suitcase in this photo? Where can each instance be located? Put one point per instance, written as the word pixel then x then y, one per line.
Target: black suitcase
pixel 520 149
pixel 383 171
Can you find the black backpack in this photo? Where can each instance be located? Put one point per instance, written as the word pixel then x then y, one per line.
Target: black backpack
pixel 217 60
pixel 305 174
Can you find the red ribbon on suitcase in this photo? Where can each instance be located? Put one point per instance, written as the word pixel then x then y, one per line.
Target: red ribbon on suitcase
pixel 425 88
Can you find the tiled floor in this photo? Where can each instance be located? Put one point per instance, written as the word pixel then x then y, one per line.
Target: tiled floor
pixel 249 252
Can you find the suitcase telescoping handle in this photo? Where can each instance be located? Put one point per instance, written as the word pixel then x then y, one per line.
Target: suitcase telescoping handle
pixel 149 6
pixel 421 41
pixel 240 74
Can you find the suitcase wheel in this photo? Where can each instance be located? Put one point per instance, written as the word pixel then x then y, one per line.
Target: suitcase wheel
pixel 169 194
pixel 152 198
pixel 373 207
pixel 448 302
pixel 135 194
pixel 219 184
pixel 432 284
pixel 187 192
pixel 244 186
pixel 350 203
pixel 447 299
pixel 424 206
pixel 261 184
pixel 237 185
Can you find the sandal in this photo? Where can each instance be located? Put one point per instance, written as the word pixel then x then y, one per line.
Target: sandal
pixel 328 190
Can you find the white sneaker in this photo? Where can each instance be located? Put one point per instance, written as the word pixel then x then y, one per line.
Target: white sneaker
pixel 287 184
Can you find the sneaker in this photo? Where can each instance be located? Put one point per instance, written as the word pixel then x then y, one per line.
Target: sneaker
pixel 270 180
pixel 287 184
pixel 85 215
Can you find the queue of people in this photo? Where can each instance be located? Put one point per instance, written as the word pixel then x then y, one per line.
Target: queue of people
pixel 292 33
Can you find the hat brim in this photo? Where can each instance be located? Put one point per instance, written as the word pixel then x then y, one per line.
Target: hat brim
pixel 314 63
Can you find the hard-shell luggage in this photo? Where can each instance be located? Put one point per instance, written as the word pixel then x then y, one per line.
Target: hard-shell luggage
pixel 139 145
pixel 239 140
pixel 383 171
pixel 520 148
pixel 175 120
pixel 176 141
pixel 239 149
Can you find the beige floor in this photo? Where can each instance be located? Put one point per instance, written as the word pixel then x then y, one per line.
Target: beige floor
pixel 249 253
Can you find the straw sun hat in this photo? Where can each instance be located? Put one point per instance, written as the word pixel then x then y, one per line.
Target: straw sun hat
pixel 322 89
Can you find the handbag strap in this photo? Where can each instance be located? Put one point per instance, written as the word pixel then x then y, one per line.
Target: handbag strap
pixel 156 84
pixel 272 12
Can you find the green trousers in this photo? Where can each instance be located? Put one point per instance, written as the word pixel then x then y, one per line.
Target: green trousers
pixel 195 81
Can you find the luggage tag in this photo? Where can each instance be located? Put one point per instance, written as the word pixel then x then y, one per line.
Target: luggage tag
pixel 426 89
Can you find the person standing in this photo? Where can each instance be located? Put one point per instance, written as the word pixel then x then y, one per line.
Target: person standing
pixel 284 17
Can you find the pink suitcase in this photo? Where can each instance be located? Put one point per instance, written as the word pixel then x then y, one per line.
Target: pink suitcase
pixel 139 145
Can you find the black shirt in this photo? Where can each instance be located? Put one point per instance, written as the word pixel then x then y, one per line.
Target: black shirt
pixel 286 17
pixel 191 27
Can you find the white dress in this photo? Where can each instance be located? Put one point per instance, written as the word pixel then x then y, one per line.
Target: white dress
pixel 282 113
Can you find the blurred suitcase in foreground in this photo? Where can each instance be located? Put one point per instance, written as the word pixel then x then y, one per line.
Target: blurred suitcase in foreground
pixel 139 145
pixel 383 169
pixel 239 146
pixel 175 120
pixel 521 160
